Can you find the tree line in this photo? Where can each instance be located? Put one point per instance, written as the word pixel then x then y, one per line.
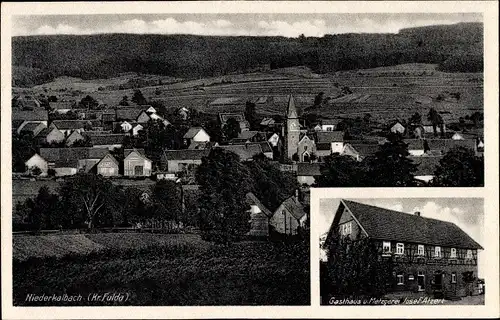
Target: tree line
pixel 456 48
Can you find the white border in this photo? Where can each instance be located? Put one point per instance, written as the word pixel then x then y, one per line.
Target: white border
pixel 490 192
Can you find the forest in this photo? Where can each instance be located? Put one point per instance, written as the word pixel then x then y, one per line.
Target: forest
pixel 40 59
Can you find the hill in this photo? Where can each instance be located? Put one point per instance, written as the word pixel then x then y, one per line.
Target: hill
pixel 39 59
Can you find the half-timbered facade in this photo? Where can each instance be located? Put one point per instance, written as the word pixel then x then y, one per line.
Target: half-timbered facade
pixel 429 255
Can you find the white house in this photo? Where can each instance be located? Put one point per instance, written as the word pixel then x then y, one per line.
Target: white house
pixel 196 134
pixel 457 136
pixel 37 161
pixel 398 128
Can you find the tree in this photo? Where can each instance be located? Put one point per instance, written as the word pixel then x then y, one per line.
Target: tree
pixel 214 130
pixel 355 268
pixel 51 172
pixel 390 166
pixel 138 98
pixel 318 100
pixel 224 182
pixel 416 118
pixel 35 171
pixel 166 194
pixel 87 196
pixel 437 121
pixel 459 167
pixel 88 102
pixel 341 171
pixel 231 129
pixel 124 101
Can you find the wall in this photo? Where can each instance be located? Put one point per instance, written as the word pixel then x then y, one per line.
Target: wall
pixel 201 136
pixel 284 223
pixel 174 165
pixel 309 180
pixel 133 160
pixel 39 162
pixel 65 171
pixel 259 222
pixel 337 147
pixel 112 168
pixel 306 145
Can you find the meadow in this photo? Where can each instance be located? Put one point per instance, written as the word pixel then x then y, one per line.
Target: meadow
pixel 162 270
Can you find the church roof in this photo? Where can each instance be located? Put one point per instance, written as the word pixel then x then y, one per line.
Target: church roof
pixel 291 110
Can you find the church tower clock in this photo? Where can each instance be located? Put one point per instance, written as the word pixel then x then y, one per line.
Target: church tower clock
pixel 292 129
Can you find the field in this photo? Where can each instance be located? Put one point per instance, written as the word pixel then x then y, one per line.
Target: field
pixel 385 92
pixel 153 269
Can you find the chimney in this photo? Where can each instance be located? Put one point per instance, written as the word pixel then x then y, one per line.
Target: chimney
pixel 417 213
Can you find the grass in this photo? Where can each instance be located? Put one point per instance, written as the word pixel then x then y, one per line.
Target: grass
pixel 180 270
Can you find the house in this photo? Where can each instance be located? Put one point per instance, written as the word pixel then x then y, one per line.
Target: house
pixel 334 138
pixel 108 166
pixel 268 122
pixel 328 125
pixel 62 107
pixel 398 128
pixel 274 140
pixel 360 149
pixel 249 136
pixel 307 173
pixel 157 117
pixel 179 160
pixel 195 134
pixel 429 128
pixel 306 149
pixel 63 160
pixel 429 255
pixel 259 217
pixel 32 128
pixel 150 109
pixel 246 151
pixel 136 128
pixel 68 126
pixel 106 140
pixel 244 125
pixel 457 136
pixel 289 217
pixel 37 161
pixel 126 126
pixel 136 164
pixel 128 114
pixel 53 135
pixel 74 137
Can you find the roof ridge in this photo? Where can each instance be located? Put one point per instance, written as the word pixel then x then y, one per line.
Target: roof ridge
pixel 400 212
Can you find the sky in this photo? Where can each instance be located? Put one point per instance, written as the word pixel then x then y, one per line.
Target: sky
pixel 288 25
pixel 466 213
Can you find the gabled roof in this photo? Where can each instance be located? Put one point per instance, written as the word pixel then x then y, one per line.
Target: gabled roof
pixel 140 152
pixel 330 136
pixel 32 115
pixel 195 145
pixel 384 224
pixel 127 113
pixel 245 151
pixel 265 146
pixel 294 207
pixel 415 144
pixel 192 132
pixel 75 124
pixel 252 199
pixel 185 154
pixel 226 116
pixel 247 134
pixel 106 139
pixel 110 157
pixel 330 122
pixel 267 122
pixel 308 169
pixel 59 105
pixel 59 155
pixel 365 149
pixel 446 145
pixel 30 127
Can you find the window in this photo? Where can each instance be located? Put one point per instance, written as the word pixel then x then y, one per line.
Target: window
pixel 305 148
pixel 346 229
pixel 453 277
pixel 421 250
pixel 386 247
pixel 453 253
pixel 400 248
pixel 469 254
pixel 401 279
pixel 437 252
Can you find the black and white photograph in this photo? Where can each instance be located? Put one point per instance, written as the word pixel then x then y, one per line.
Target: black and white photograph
pixel 410 251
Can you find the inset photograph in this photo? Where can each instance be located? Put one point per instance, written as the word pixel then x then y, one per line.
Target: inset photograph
pixel 401 251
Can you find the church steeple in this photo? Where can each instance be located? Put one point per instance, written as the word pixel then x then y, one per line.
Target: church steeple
pixel 291 110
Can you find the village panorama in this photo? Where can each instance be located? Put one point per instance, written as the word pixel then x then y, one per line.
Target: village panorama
pixel 176 169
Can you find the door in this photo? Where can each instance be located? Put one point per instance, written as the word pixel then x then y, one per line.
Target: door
pixel 138 170
pixel 421 281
